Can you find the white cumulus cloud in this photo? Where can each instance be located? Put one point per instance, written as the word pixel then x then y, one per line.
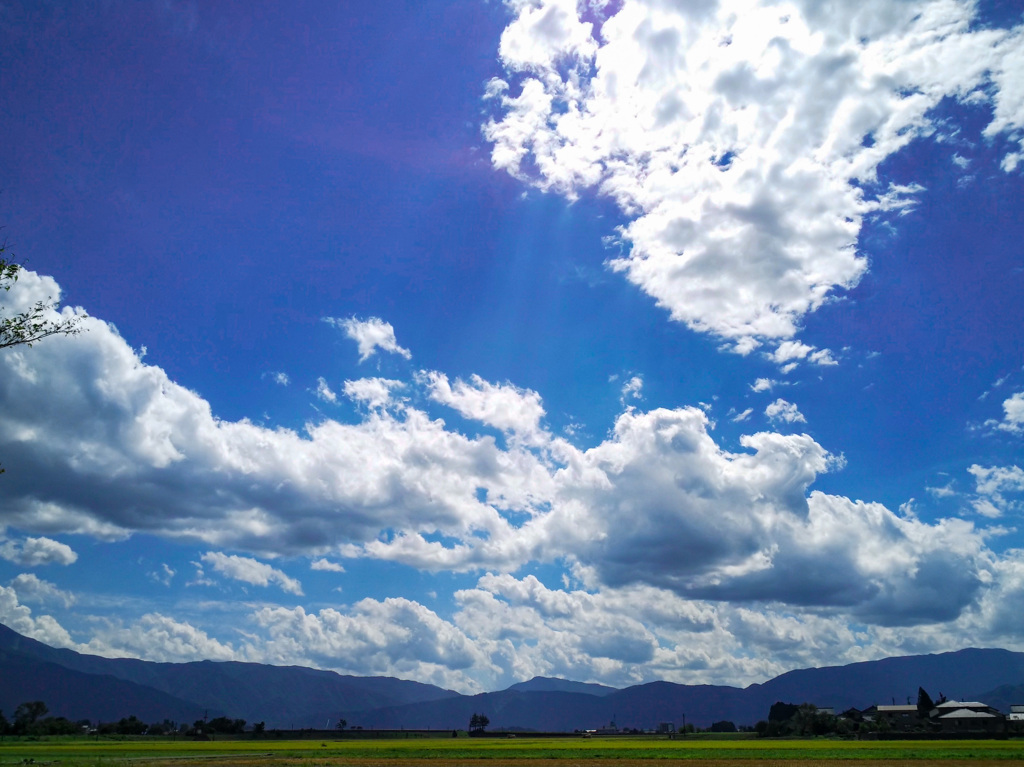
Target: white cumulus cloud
pixel 326 565
pixel 43 628
pixel 1013 409
pixel 370 335
pixel 392 637
pixel 105 445
pixel 281 379
pixel 781 410
pixel 249 570
pixel 159 638
pixel 632 389
pixel 30 588
pixel 741 138
pixel 996 487
pixel 503 406
pixel 324 391
pixel 33 552
pixel 372 392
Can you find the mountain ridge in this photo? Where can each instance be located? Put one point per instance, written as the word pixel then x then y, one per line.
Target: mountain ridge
pixel 289 697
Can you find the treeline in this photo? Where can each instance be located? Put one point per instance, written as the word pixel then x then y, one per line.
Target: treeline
pixel 31 718
pixel 802 720
pixel 805 720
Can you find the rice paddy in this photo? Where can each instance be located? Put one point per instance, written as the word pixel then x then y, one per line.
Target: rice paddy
pixel 523 751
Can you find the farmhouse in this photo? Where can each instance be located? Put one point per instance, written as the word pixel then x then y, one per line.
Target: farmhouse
pixel 899 718
pixel 968 716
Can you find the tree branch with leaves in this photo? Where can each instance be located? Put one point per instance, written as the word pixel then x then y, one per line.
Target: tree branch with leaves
pixel 31 325
pixel 27 327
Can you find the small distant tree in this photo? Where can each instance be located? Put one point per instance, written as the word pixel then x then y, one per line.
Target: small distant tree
pixel 259 728
pixel 341 725
pixel 723 726
pixel 223 724
pixel 478 723
pixel 131 725
pixel 166 727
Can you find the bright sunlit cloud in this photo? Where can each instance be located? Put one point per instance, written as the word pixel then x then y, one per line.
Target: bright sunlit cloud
pixel 741 140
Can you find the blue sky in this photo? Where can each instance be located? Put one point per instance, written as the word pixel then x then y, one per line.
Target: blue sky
pixel 469 341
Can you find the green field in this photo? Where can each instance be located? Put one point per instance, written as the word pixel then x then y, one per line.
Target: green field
pixel 490 751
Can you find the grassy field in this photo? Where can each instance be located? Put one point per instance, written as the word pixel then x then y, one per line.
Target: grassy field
pixel 526 752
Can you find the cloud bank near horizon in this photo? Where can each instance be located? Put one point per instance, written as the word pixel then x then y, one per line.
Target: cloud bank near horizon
pixel 672 539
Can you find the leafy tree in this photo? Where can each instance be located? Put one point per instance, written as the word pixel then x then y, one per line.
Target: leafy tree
pixel 131 725
pixel 223 724
pixel 56 725
pixel 780 712
pixel 32 325
pixel 924 702
pixel 165 727
pixel 259 728
pixel 791 719
pixel 723 726
pixel 478 723
pixel 341 725
pixel 27 714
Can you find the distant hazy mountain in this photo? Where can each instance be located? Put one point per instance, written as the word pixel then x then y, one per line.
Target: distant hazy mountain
pixel 86 686
pixel 1002 697
pixel 76 695
pixel 548 684
pixel 957 675
pixel 280 696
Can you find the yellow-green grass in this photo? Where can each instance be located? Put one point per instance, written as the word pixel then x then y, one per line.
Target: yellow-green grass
pixel 529 752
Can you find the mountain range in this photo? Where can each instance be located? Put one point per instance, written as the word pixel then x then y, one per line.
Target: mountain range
pixel 82 686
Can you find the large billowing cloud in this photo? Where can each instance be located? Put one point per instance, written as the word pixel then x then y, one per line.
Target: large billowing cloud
pixel 105 445
pixel 661 503
pixel 393 637
pixel 159 638
pixel 742 138
pixel 17 616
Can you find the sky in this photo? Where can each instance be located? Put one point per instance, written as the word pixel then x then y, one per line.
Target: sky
pixel 467 341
